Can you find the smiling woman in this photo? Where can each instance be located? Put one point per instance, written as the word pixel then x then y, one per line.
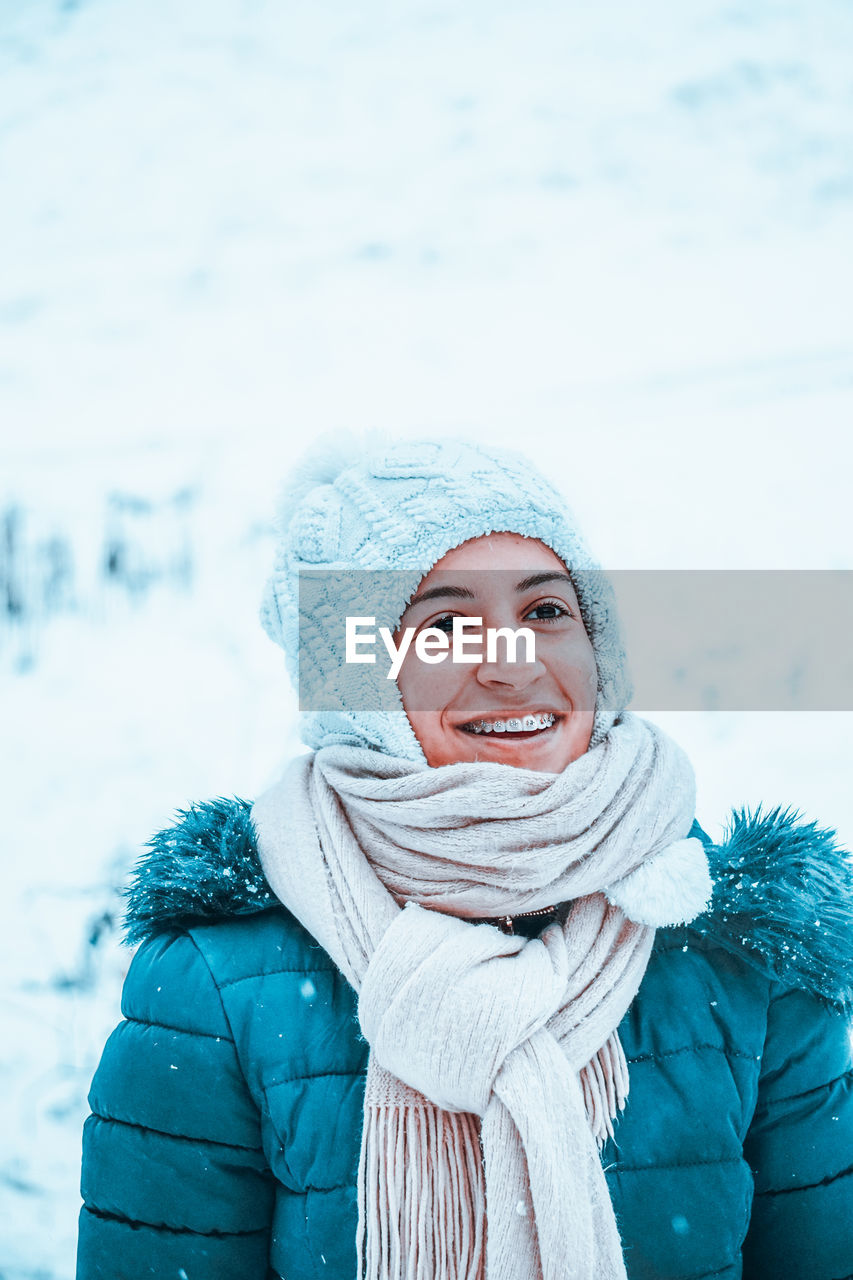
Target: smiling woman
pixel 383 1022
pixel 535 715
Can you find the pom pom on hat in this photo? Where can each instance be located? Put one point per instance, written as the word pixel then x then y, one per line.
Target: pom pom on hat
pixel 371 504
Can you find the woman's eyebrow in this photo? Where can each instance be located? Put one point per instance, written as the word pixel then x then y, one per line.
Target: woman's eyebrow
pixel 537 579
pixel 433 593
pixel 464 593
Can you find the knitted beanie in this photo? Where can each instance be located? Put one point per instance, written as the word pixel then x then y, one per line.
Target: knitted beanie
pixel 401 507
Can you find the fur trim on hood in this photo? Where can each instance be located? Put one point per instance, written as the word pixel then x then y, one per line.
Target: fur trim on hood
pixel 783 890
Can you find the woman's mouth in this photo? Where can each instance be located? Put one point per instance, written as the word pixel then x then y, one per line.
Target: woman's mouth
pixel 513 726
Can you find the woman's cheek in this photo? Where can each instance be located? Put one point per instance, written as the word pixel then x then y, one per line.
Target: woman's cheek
pixel 430 686
pixel 588 681
pixel 570 660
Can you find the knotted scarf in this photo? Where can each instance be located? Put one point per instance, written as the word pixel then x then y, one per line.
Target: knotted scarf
pixel 495 1068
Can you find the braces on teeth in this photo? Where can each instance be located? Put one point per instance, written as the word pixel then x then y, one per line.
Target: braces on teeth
pixel 528 724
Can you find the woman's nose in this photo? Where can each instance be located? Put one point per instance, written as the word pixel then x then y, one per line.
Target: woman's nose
pixel 506 669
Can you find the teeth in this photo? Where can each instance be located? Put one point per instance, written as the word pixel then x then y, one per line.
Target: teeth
pixel 529 724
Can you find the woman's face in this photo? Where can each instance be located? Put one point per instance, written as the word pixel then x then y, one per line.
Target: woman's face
pixel 536 715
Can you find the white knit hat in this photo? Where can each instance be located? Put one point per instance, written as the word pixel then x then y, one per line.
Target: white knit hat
pixel 401 507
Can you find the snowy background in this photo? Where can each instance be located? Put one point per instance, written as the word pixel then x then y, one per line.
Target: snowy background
pixel 618 236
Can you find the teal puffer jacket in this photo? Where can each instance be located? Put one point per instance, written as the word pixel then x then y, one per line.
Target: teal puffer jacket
pixel 226 1112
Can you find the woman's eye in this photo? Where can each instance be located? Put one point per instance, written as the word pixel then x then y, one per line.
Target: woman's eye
pixel 547 611
pixel 444 624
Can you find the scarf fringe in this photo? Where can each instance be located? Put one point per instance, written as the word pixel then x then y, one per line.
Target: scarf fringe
pixel 421 1182
pixel 605 1082
pixel 421 1195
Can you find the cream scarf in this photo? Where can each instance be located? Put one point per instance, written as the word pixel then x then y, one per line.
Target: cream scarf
pixel 495 1065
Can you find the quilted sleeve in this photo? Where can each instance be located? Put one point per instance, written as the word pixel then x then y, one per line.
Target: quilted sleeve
pixel 174 1180
pixel 800 1145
